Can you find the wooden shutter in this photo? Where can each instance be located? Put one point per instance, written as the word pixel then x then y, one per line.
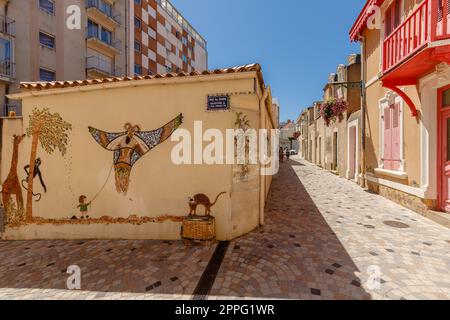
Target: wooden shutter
pixel 395 135
pixel 391 134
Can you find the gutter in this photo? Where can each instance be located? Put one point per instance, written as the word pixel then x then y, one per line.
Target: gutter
pixel 363 112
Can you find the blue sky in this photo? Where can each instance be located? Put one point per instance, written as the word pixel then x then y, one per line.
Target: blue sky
pixel 297 42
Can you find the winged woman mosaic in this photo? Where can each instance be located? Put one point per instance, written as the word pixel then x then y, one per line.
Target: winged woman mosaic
pixel 131 145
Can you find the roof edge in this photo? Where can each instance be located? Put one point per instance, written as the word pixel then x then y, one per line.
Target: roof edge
pixel 59 87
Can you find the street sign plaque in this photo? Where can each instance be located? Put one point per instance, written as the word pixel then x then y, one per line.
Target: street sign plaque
pixel 218 103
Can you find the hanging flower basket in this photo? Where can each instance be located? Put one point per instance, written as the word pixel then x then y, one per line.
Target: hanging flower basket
pixel 333 110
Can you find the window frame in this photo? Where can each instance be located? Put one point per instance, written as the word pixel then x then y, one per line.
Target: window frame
pixel 136 65
pixel 136 19
pixel 395 10
pixel 137 46
pixel 45 34
pixel 43 8
pixel 41 69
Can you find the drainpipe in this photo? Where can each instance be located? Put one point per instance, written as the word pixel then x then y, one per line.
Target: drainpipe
pixel 262 179
pixel 363 112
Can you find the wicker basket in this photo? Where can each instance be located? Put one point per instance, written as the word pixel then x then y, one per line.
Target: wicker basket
pixel 199 229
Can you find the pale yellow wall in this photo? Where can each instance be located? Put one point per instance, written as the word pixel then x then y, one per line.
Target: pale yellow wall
pixel 411 127
pixel 373 50
pixel 157 187
pixel 245 196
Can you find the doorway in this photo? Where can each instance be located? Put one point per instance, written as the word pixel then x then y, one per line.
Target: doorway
pixel 335 151
pixel 352 153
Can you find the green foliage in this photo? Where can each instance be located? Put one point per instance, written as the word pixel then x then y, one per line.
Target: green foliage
pixel 50 129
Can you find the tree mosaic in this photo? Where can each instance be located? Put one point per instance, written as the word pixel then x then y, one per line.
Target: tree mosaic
pixel 51 131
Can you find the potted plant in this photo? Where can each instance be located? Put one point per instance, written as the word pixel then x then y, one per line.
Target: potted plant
pixel 333 110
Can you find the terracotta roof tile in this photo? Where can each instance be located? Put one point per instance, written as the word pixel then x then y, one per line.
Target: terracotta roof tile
pixel 67 84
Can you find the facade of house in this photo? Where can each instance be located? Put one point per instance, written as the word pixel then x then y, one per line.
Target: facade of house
pixel 131 176
pixel 40 42
pixel 406 52
pixel 334 147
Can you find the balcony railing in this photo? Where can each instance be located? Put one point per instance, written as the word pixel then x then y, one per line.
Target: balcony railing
pixel 7 26
pixel 103 66
pixel 429 22
pixel 92 33
pixel 104 8
pixel 7 69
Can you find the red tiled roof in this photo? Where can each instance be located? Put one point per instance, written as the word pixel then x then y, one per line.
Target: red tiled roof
pixel 360 23
pixel 67 84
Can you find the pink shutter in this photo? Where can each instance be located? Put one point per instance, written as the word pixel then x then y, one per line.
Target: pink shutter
pixel 387 136
pixel 395 133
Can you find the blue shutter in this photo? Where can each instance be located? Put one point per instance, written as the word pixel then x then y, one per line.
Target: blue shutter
pixel 46 40
pixel 46 75
pixel 47 5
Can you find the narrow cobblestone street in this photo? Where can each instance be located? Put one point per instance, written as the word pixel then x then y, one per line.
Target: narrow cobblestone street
pixel 325 238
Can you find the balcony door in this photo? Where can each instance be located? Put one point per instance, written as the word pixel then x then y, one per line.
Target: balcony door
pixel 444 149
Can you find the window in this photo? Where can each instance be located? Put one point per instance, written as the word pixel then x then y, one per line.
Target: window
pixel 106 8
pixel 391 137
pixel 99 32
pixel 137 69
pixel 184 58
pixel 46 75
pixel 47 40
pixel 446 99
pixel 106 36
pixel 137 22
pixel 5 49
pixel 392 17
pixel 93 29
pixel 47 5
pixel 137 46
pixel 137 1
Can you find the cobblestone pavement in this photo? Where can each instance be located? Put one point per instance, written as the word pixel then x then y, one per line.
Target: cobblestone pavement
pixel 110 269
pixel 325 238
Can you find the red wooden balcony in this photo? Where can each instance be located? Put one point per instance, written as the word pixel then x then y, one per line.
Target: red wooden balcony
pixel 418 44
